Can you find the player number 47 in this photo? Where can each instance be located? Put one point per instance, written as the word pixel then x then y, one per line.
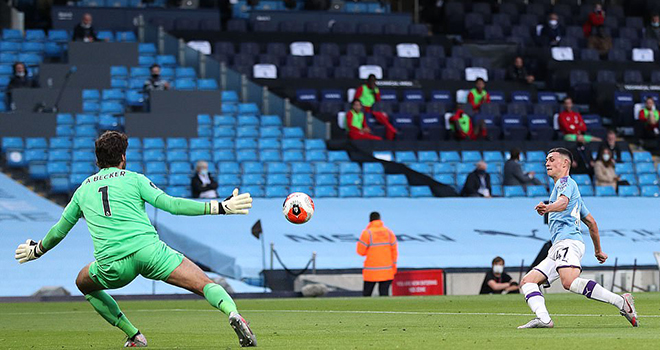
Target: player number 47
pixel 106 202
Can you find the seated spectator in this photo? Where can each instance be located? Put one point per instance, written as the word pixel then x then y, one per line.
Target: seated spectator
pixel 462 127
pixel 202 183
pixel 572 124
pixel 514 175
pixel 653 29
pixel 356 124
pixel 597 38
pixel 368 94
pixel 21 79
pixel 155 82
pixel 84 31
pixel 551 32
pixel 518 73
pixel 478 95
pixel 610 143
pixel 650 119
pixel 604 170
pixel 583 162
pixel 497 281
pixel 477 183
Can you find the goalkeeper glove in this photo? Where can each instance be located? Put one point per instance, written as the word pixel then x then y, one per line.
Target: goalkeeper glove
pixel 234 204
pixel 30 250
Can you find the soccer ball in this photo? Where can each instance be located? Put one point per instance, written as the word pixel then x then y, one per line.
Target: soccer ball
pixel 298 208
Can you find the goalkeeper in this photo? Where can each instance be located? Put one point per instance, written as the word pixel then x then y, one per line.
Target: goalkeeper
pixel 127 245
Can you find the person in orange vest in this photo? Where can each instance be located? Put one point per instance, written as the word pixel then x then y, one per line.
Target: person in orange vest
pixel 356 124
pixel 378 244
pixel 650 117
pixel 368 94
pixel 478 95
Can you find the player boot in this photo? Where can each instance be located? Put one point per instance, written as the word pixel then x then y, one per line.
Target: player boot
pixel 245 336
pixel 137 341
pixel 537 323
pixel 628 310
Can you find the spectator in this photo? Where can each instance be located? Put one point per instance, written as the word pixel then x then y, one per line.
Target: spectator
pixel 514 175
pixel 202 183
pixel 650 119
pixel 583 162
pixel 155 83
pixel 379 245
pixel 597 37
pixel 356 124
pixel 478 95
pixel 604 170
pixel 518 73
pixel 21 78
pixel 610 143
pixel 551 32
pixel 477 183
pixel 368 94
pixel 84 31
pixel 497 281
pixel 462 127
pixel 572 124
pixel 653 29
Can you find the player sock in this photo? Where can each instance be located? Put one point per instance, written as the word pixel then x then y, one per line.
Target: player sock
pixel 536 301
pixel 593 290
pixel 107 307
pixel 219 298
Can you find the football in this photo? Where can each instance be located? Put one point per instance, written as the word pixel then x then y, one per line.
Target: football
pixel 298 208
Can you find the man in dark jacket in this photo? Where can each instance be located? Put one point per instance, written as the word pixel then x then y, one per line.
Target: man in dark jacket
pixel 514 175
pixel 84 31
pixel 477 183
pixel 202 184
pixel 552 32
pixel 518 73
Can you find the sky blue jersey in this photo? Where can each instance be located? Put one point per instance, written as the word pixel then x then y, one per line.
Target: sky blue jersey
pixel 566 224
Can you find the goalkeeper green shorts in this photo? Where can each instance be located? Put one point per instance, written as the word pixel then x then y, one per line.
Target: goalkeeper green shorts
pixel 573 138
pixel 155 261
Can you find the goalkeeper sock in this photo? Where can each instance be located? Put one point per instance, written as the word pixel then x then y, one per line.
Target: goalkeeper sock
pixel 219 298
pixel 593 290
pixel 536 301
pixel 107 307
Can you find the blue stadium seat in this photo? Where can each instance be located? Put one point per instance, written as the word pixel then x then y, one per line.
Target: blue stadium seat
pixel 166 60
pixel 293 155
pixel 91 95
pixel 624 168
pixel 270 155
pixel 247 131
pixel 177 143
pixel 185 84
pixel 644 168
pixel 247 156
pixel 224 120
pixel 12 35
pixel 405 156
pixel 204 119
pixel 271 120
pixel 60 143
pixel 229 168
pixel 223 143
pixel 316 156
pixel 538 168
pixel 646 179
pixel 427 156
pixel 374 179
pixel 605 191
pixel 471 156
pixel 276 192
pixel 153 143
pixel 270 132
pixel 626 157
pixel 199 143
pixel 349 168
pixel 35 155
pixel 326 168
pixel 493 156
pixel 464 168
pixel 420 191
pixel 349 191
pixel 246 143
pixel 85 119
pixel 325 191
pixel 133 155
pixel 57 155
pixel 642 157
pixel 248 109
pixel 84 156
pixel 253 179
pixel 582 179
pixel 396 179
pixel 36 142
pixel 444 168
pixel 179 180
pixel 302 180
pixel 293 132
pixel 373 191
pixel 229 97
pixel 449 157
pixel 135 167
pixel 156 167
pixel 513 191
pixel 650 191
pixel 224 132
pixel 147 49
pixel 397 191
pixel 373 168
pixel 326 180
pixel 58 35
pixel 350 179
pixel 338 156
pixel 82 168
pixel 277 168
pixel 537 191
pixel 207 84
pixel 59 184
pixel 314 144
pixel 58 168
pixel 176 156
pixel 587 191
pixel 422 168
pixel 177 191
pixel 228 180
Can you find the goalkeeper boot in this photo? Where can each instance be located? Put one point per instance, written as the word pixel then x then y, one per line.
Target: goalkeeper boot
pixel 245 336
pixel 628 310
pixel 137 341
pixel 537 323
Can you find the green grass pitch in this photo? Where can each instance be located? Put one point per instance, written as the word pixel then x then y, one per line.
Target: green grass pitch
pixel 448 322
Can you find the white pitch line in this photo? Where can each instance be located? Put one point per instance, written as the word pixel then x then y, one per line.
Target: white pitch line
pixel 367 312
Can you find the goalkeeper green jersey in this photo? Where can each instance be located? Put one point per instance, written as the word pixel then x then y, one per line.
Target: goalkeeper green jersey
pixel 112 203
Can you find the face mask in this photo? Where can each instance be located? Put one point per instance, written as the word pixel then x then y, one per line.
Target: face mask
pixel 155 76
pixel 656 24
pixel 606 157
pixel 204 171
pixel 498 268
pixel 481 172
pixel 86 26
pixel 553 22
pixel 20 74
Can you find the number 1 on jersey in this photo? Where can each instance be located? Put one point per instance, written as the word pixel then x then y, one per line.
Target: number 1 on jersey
pixel 106 202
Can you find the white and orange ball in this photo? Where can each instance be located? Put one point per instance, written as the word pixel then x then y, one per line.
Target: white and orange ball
pixel 298 208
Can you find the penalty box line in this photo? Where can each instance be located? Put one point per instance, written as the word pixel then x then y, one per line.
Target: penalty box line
pixel 364 312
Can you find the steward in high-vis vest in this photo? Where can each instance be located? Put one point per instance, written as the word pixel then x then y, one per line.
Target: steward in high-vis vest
pixel 378 244
pixel 368 94
pixel 463 128
pixel 650 117
pixel 478 95
pixel 356 124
